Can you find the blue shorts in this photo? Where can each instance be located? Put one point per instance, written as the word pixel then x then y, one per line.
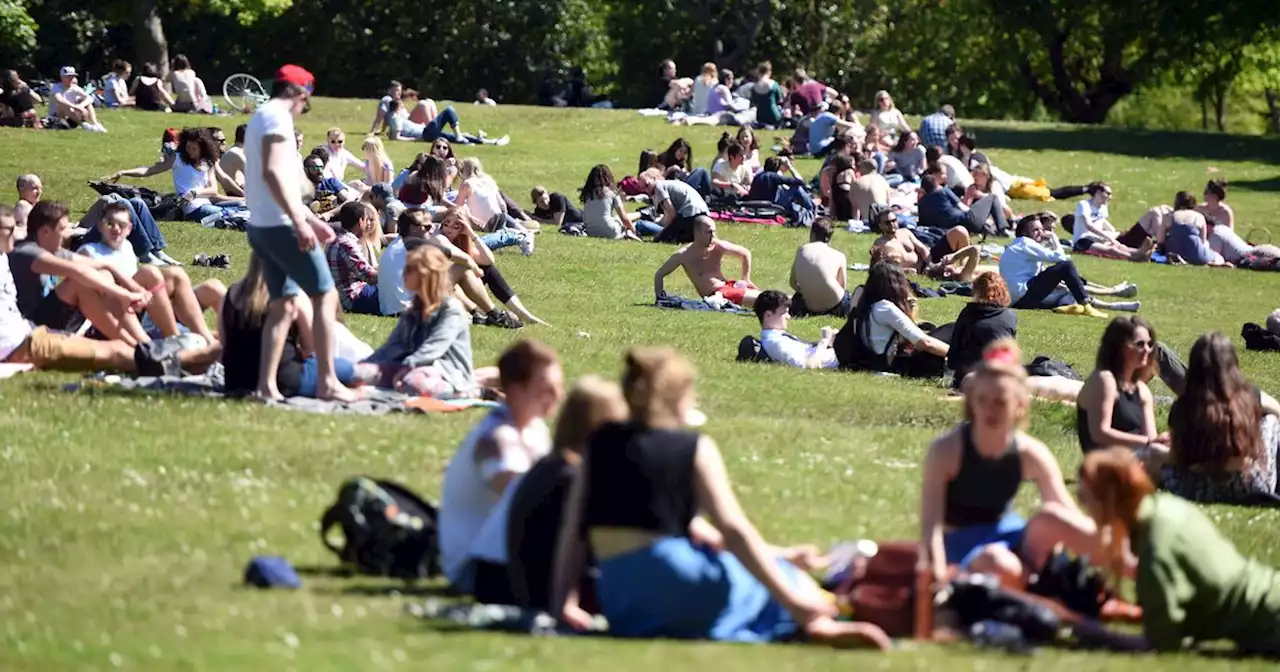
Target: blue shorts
pixel 287 270
pixel 965 543
pixel 344 369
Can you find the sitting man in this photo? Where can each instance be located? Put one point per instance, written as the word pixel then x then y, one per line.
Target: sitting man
pixel 940 208
pixel 773 310
pixel 356 278
pixel 503 446
pixel 730 176
pixel 174 302
pixel 1058 286
pixel 870 191
pixel 232 161
pixel 701 261
pixel 330 192
pixel 679 203
pixel 772 186
pixel 902 247
pixel 29 190
pixel 73 103
pixel 59 290
pixel 818 276
pixel 393 298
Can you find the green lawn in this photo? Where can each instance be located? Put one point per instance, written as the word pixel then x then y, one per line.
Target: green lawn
pixel 127 520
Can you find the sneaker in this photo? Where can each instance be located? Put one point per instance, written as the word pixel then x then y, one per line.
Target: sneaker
pixel 1090 311
pixel 148 258
pixel 501 318
pixel 479 319
pixel 1125 306
pixel 1073 309
pixel 503 141
pixel 526 243
pixel 160 254
pixel 1127 290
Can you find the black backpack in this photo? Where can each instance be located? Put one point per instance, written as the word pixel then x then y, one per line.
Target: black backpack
pixel 751 350
pixel 388 530
pixel 1258 338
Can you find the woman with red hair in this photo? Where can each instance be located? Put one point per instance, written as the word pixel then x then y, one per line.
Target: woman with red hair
pixel 1191 581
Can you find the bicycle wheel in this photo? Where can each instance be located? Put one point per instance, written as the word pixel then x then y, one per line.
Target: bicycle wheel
pixel 243 92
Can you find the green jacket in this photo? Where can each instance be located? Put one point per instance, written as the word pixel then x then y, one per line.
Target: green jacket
pixel 1193 584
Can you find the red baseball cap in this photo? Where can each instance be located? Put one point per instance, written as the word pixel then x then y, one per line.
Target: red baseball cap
pixel 296 74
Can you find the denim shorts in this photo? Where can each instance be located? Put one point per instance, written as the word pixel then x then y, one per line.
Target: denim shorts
pixel 287 270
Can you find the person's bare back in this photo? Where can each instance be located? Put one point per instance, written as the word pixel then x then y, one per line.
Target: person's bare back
pixel 232 163
pixel 817 274
pixel 868 190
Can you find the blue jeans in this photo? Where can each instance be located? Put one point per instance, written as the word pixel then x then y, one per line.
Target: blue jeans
pixel 145 237
pixel 286 269
pixel 344 369
pixel 435 128
pixel 645 227
pixel 699 179
pixel 499 239
pixel 793 194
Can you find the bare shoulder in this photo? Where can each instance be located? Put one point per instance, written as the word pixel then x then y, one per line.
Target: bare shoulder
pixel 945 449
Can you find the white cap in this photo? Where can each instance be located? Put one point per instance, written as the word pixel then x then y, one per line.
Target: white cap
pixel 67 71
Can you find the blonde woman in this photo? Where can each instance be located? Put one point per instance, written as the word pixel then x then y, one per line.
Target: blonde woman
pixel 428 353
pixel 702 87
pixel 339 156
pixel 480 194
pixel 663 571
pixel 378 168
pixel 888 118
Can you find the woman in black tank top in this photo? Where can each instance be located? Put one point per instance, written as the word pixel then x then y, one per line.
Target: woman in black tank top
pixel 1115 407
pixel 647 479
pixel 972 475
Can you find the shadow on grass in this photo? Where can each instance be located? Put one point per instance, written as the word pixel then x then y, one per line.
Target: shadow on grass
pixel 1269 184
pixel 1131 142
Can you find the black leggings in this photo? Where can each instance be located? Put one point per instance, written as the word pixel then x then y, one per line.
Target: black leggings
pixel 1068 192
pixel 1042 291
pixel 493 279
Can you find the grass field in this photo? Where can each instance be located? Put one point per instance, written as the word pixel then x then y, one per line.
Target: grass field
pixel 125 521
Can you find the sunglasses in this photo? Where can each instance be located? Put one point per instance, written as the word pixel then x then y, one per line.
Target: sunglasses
pixel 337 142
pixel 1142 345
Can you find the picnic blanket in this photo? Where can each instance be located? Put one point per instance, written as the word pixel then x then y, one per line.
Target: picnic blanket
pixel 712 304
pixel 373 401
pixel 498 618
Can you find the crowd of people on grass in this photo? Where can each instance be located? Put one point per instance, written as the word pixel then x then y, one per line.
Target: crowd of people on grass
pixel 626 510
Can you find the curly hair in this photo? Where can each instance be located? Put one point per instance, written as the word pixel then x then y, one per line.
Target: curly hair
pixel 990 288
pixel 1216 419
pixel 209 150
pixel 599 181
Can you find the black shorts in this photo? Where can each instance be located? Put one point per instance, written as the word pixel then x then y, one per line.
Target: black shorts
pixel 939 250
pixel 54 313
pixel 800 308
pixel 1083 244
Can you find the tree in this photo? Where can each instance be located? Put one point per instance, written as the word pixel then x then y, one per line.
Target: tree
pixel 1080 57
pixel 17 33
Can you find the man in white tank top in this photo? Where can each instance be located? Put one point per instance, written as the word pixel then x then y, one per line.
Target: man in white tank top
pixel 503 446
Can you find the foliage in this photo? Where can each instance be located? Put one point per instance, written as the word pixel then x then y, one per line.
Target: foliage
pixel 17 33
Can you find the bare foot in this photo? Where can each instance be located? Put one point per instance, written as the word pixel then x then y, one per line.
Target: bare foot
pixel 332 390
pixel 265 395
pixel 843 635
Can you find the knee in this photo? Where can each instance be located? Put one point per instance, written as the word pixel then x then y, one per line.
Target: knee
pixel 998 561
pixel 149 276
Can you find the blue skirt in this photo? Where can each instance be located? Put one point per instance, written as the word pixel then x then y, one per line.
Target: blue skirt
pixel 673 589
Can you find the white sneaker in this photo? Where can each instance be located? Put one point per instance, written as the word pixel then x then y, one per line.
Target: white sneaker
pixel 96 128
pixel 160 254
pixel 503 141
pixel 1127 290
pixel 526 243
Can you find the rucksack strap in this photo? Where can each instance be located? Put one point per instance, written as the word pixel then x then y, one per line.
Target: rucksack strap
pixel 327 522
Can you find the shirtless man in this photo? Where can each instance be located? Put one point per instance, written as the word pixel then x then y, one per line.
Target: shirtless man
pixel 29 190
pixel 232 161
pixel 868 189
pixel 818 276
pixel 900 246
pixel 701 261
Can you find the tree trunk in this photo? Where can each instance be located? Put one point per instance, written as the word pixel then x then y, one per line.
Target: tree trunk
pixel 1204 114
pixel 1220 110
pixel 148 35
pixel 1273 108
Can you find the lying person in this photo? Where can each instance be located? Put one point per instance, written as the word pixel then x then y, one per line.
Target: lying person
pixel 702 263
pixel 1058 286
pixel 553 208
pixel 504 445
pixel 241 319
pixel 819 276
pixel 662 572
pixel 1191 581
pixel 175 304
pixel 972 475
pixel 773 309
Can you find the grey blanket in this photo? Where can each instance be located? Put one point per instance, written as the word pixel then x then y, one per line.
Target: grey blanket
pixel 714 304
pixel 498 618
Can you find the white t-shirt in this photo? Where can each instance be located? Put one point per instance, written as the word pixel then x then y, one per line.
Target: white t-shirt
pixel 123 259
pixel 74 94
pixel 14 329
pixel 393 298
pixel 787 349
pixel 741 175
pixel 271 119
pixel 484 201
pixel 466 499
pixel 490 544
pixel 957 174
pixel 1085 215
pixel 186 178
pixel 887 320
pixel 338 162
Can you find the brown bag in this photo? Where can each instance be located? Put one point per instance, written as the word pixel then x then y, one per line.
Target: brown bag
pixel 882 589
